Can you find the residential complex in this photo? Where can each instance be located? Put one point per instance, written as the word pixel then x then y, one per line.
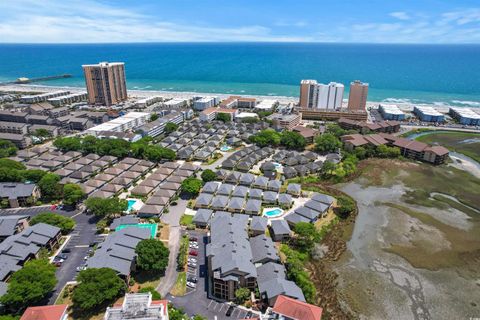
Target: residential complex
pixel 138 306
pixel 285 121
pixel 127 122
pixel 43 96
pixel 18 194
pixel 391 112
pixel 465 116
pixel 428 114
pixel 68 99
pixel 105 82
pixel 365 127
pixel 357 98
pixel 210 114
pixel 238 102
pixel 203 103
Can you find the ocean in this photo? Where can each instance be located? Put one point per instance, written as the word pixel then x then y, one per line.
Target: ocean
pixel 438 74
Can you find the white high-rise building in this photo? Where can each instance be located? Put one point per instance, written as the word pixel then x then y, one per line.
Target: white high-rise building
pixel 321 96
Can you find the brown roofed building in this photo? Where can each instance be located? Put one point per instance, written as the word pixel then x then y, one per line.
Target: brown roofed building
pixel 106 84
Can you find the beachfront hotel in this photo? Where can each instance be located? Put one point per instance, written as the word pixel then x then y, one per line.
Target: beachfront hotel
pixel 105 83
pixel 315 95
pixel 357 98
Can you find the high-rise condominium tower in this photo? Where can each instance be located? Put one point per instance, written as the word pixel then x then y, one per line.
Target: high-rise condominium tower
pixel 105 83
pixel 357 99
pixel 315 95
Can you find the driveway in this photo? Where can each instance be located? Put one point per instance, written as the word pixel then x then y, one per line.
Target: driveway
pixel 173 219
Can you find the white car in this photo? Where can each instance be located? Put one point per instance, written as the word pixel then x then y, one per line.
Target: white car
pixel 191 284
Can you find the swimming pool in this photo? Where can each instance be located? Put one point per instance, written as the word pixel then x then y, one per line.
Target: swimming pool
pixel 273 212
pixel 225 148
pixel 277 165
pixel 133 204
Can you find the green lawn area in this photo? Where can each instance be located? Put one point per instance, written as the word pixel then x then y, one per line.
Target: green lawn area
pixel 180 287
pixel 186 219
pixel 462 142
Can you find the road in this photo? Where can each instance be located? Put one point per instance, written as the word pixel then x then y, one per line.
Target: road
pixel 173 219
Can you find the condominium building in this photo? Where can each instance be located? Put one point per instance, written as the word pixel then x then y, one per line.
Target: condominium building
pixel 465 116
pixel 315 95
pixel 285 121
pixel 143 103
pixel 238 102
pixel 106 84
pixel 14 127
pixel 138 306
pixel 129 121
pixel 204 103
pixel 68 99
pixel 357 98
pixel 175 103
pixel 210 114
pixel 42 97
pixel 391 112
pixel 428 114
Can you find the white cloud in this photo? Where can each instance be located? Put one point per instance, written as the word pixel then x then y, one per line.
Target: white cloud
pixel 400 15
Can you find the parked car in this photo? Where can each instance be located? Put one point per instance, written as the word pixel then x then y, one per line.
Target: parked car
pixel 249 315
pixel 191 284
pixel 192 264
pixel 193 253
pixel 192 279
pixel 62 256
pixel 57 263
pixel 230 311
pixel 193 239
pixel 66 250
pixel 82 267
pixel 191 259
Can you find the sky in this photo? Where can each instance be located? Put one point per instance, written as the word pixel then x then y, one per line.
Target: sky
pixel 345 21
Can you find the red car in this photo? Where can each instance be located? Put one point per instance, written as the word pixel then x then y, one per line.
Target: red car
pixel 193 253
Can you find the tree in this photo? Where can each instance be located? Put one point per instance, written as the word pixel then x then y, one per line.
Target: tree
pixel 11 164
pixel 153 117
pixel 97 287
pixel 106 207
pixel 225 117
pixel 157 153
pixel 345 206
pixel 293 140
pixel 7 149
pixel 68 143
pixel 152 255
pixel 360 153
pixel 50 187
pixel 170 127
pixel 29 285
pixel 327 142
pixel 327 169
pixel 196 317
pixel 113 147
pixel 267 137
pixel 10 175
pixel 72 194
pixel 33 175
pixel 242 294
pixel 89 144
pixel 66 224
pixel 208 175
pixel 384 151
pixel 306 235
pixel 336 130
pixel 191 186
pixel 42 133
pixel 176 314
pixel 152 290
pixel 8 317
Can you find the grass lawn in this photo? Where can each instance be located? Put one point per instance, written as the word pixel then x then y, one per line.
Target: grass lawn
pixel 462 142
pixel 145 279
pixel 180 287
pixel 186 219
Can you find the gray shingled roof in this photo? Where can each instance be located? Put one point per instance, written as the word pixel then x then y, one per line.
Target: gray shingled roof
pixel 294 218
pixel 263 249
pixel 270 197
pixel 280 227
pixel 204 199
pixel 219 202
pixel 255 193
pixel 211 187
pixel 240 191
pixel 323 198
pixel 225 189
pixel 284 198
pixel 236 203
pixel 13 190
pixel 247 179
pixel 261 182
pixel 202 216
pixel 8 224
pixel 317 206
pixel 259 224
pixel 128 219
pixel 253 206
pixel 294 188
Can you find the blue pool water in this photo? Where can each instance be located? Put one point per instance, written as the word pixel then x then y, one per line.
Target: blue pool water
pixel 225 148
pixel 277 165
pixel 273 213
pixel 131 203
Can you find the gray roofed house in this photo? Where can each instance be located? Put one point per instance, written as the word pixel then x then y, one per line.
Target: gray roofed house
pixel 233 177
pixel 255 193
pixel 80 175
pixel 123 220
pixel 158 201
pixel 104 177
pixel 202 218
pixel 139 168
pixel 240 191
pixel 92 156
pixel 113 171
pixel 110 187
pixel 141 190
pixel 183 173
pixel 130 161
pixel 294 218
pixel 270 197
pixel 229 164
pixel 313 167
pixel 84 161
pixel 308 213
pixel 261 182
pixel 268 166
pixel 317 206
pixel 274 185
pixel 258 225
pixel 294 189
pixel 236 204
pixel 164 193
pixel 18 194
pixel 225 189
pixel 221 174
pixel 124 182
pixel 246 179
pixel 95 183
pixel 219 202
pixel 280 230
pixel 203 200
pixel 150 210
pixel 271 289
pixel 211 187
pixel 253 206
pixel 269 271
pixel 285 200
pixel 131 175
pixel 289 172
pixel 323 198
pixel 10 225
pixel 171 186
pixel 263 249
pixel 117 252
pixel 150 183
pixel 101 194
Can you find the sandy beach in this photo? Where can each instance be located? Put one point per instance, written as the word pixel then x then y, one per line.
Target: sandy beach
pixel 138 94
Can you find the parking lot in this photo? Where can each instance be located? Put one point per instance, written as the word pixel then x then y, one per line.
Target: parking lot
pixel 196 300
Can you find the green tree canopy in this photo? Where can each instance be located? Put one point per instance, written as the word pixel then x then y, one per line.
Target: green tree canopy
pixel 7 149
pixel 72 194
pixel 242 294
pixel 152 290
pixel 327 142
pixel 176 313
pixel 293 140
pixel 152 255
pixel 97 287
pixel 68 143
pixel 43 133
pixel 10 175
pixel 66 224
pixel 106 207
pixel 225 117
pixel 11 164
pixel 208 175
pixel 50 187
pixel 170 127
pixel 153 117
pixel 345 206
pixel 89 144
pixel 34 175
pixel 306 235
pixel 157 153
pixel 267 137
pixel 191 186
pixel 29 285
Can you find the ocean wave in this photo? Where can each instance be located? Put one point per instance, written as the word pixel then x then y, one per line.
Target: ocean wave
pixel 396 100
pixel 440 104
pixel 467 103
